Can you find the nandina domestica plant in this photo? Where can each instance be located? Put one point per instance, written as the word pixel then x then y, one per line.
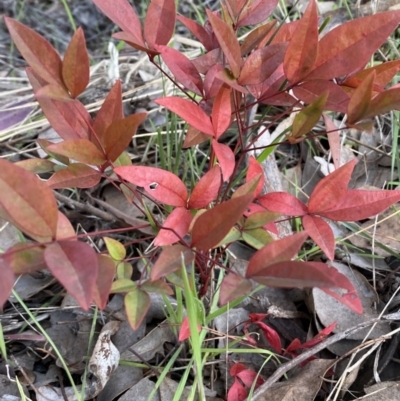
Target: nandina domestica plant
pixel 285 65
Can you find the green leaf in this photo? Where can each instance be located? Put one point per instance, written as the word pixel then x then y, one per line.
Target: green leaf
pixel 116 250
pixel 137 304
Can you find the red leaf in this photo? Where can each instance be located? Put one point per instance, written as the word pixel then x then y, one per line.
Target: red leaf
pixel 212 83
pixel 76 175
pixel 175 227
pixel 226 159
pixel 36 51
pixel 350 46
pixel 228 42
pixel 360 100
pixel 309 91
pixel 76 68
pixel 254 170
pixel 283 202
pixel 237 392
pixel 122 14
pixel 27 202
pixel 69 119
pixel 303 46
pixel 248 376
pixel 280 250
pixel 262 63
pixel 348 298
pixel 222 111
pixel 119 134
pixel 23 260
pixel 184 332
pixel 256 11
pixel 233 286
pixel 236 369
pixel 320 336
pixel 320 231
pixel 131 40
pixel 75 265
pixel 198 31
pixel 81 150
pixel 159 24
pixel 254 38
pixel 104 281
pixel 6 282
pixel 189 111
pixel 206 61
pixel 293 346
pixel 206 190
pixel 359 204
pixel 289 274
pixel 170 260
pixel 162 185
pixel 111 110
pixel 182 69
pixel 213 225
pixel 331 190
pixel 272 336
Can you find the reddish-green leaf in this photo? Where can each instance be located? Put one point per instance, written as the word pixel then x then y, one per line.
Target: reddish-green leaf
pixel 104 281
pixel 111 110
pixel 222 111
pixel 360 100
pixel 226 159
pixel 182 69
pixel 384 102
pixel 123 285
pixel 119 134
pixel 123 15
pixel 256 11
pixel 36 51
pixel 309 91
pixel 359 204
pixel 170 260
pixel 206 190
pixel 6 282
pixel 175 227
pixel 75 265
pixel 164 186
pixel 24 260
pixel 76 175
pixel 322 234
pixel 262 63
pixel 253 39
pixel 348 298
pixel 228 42
pixel 213 225
pixel 69 119
pixel 75 67
pixel 81 150
pixel 54 92
pixel 291 274
pixel 331 190
pixel 260 219
pixel 37 166
pixel 159 24
pixel 27 202
pixel 283 202
pixel 157 286
pixel 64 228
pixel 278 251
pixel 194 137
pixel 303 46
pixel 189 111
pixel 233 286
pixel 350 46
pixel 198 31
pixel 254 170
pixel 307 118
pixel 137 303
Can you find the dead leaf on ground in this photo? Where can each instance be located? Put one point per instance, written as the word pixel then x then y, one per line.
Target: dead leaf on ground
pixel 302 387
pixel 329 310
pixel 384 391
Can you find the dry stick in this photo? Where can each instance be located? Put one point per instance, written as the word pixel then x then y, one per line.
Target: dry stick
pixel 260 392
